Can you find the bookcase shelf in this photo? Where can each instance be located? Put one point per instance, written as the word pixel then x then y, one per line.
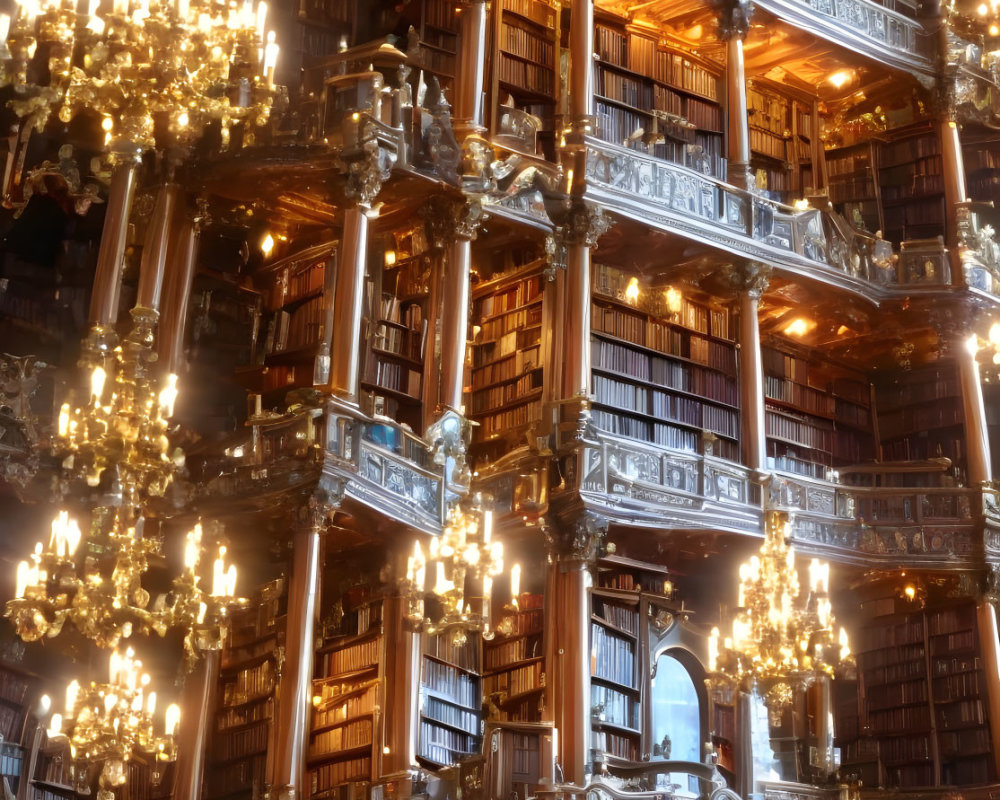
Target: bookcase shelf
pixel 450 700
pixel 818 415
pixel 662 376
pixel 670 95
pixel 513 661
pixel 241 737
pixel 912 185
pixel 347 692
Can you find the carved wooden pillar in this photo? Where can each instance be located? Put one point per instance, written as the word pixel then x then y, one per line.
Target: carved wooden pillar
pixel 573 548
pixel 402 687
pixel 582 227
pixel 976 431
pixel 581 50
pixel 453 226
pixel 195 719
pixel 348 302
pixel 183 261
pixel 734 22
pixel 989 638
pixel 751 282
pixel 468 115
pixel 291 731
pixel 955 192
pixel 108 275
pixel 820 181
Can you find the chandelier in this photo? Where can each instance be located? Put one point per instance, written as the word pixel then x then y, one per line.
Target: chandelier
pixel 464 556
pixel 106 723
pixel 60 583
pixel 779 634
pixel 187 62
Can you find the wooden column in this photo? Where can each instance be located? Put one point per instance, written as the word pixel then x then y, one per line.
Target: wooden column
pixel 348 302
pixel 820 181
pixel 955 191
pixel 291 731
pixel 196 713
pixel 108 276
pixel 581 50
pixel 154 251
pixel 573 548
pixel 751 281
pixel 468 114
pixel 976 431
pixel 182 262
pixel 989 643
pixel 402 691
pixel 738 152
pixel 460 227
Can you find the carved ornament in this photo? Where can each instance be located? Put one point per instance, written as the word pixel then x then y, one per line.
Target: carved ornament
pixel 449 220
pixel 582 539
pixel 734 18
pixel 367 166
pixel 580 224
pixel 752 277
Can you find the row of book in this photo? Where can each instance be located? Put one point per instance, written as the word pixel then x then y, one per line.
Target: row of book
pixel 892 720
pixel 783 365
pixel 767 111
pixel 953 642
pixel 970 741
pixel 950 665
pixel 11 723
pixel 514 682
pixel 438 61
pixel 532 9
pixel 506 653
pixel 910 631
pixel 785 462
pixel 895 654
pixel 663 435
pixel 296 283
pixel 244 714
pixel 859 750
pixel 357 656
pixel 646 582
pixel 359 699
pixel 954 687
pixel 451 682
pixel 905 748
pixel 847 163
pixel 804 397
pixel 968 772
pixel 483 400
pixel 392 309
pixel 237 653
pixel 465 656
pixel 921 446
pixel 910 149
pixel 616 125
pixel 525 622
pixel 768 144
pixel 443 745
pixel 524 292
pixel 298 328
pixel 228 778
pixel 612 656
pixel 628 361
pixel 887 696
pixel 533 77
pixel 626 89
pixel 610 705
pixel 801 431
pixel 11 759
pixel 397 377
pixel 851 413
pixel 951 619
pixel 622 617
pixel 492 351
pixel 246 741
pixel 249 684
pixel 843 191
pixel 440 14
pixel 260 618
pixel 920 418
pixel 327 776
pixel 892 673
pixel 343 737
pixel 519 41
pixel 961 714
pixel 449 714
pixel 404 342
pixel 616 744
pixel 504 421
pixel 497 327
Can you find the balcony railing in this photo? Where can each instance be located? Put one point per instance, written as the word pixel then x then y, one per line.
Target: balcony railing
pixel 385 467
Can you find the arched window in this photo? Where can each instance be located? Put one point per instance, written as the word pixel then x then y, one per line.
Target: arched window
pixel 676 711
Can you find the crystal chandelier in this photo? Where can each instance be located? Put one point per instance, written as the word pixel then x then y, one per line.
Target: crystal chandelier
pixel 106 723
pixel 779 634
pixel 100 589
pixel 187 62
pixel 464 556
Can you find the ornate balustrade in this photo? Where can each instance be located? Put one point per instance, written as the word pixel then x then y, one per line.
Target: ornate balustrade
pixel 385 467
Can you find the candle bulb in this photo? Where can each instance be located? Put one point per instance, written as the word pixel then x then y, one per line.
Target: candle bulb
pixel 261 17
pixel 97 380
pixel 515 584
pixel 231 581
pixel 23 573
pixel 713 650
pixel 172 719
pixel 55 726
pixel 192 548
pixel 64 420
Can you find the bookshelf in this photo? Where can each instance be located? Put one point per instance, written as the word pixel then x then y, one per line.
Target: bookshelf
pixel 507 365
pixel 396 330
pixel 53 777
pixel 817 415
pixel 919 713
pixel 438 51
pixel 347 698
pixel 450 701
pixel 660 98
pixel 772 149
pixel 662 374
pixel 982 168
pixel 524 65
pixel 921 416
pixel 513 662
pixel 853 189
pixel 912 185
pixel 238 762
pixel 803 137
pixel 16 693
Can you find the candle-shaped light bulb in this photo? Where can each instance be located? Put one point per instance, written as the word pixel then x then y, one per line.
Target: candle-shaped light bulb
pixel 97 380
pixel 151 703
pixel 114 666
pixel 64 420
pixel 23 573
pixel 441 585
pixel 219 574
pixel 55 726
pixel 168 396
pixel 845 648
pixel 814 569
pixel 515 583
pixel 270 59
pixel 231 581
pixel 172 719
pixel 487 593
pixel 261 18
pixel 487 527
pixel 192 548
pixel 824 578
pixel 72 693
pixel 110 701
pixel 713 650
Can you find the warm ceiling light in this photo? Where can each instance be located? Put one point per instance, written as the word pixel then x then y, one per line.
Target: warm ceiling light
pixel 910 591
pixel 695 32
pixel 841 78
pixel 994 30
pixel 799 326
pixel 267 245
pixel 632 290
pixel 983 9
pixel 390 258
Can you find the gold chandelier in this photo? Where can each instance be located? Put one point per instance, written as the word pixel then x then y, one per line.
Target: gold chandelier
pixel 464 554
pixel 61 583
pixel 106 723
pixel 188 62
pixel 779 634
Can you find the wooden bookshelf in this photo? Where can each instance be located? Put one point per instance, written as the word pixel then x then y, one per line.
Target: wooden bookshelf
pixel 817 415
pixel 921 416
pixel 524 64
pixel 238 761
pixel 919 713
pixel 615 669
pixel 659 98
pixel 438 52
pixel 912 185
pixel 853 188
pixel 771 146
pixel 450 700
pixel 982 167
pixel 662 376
pixel 396 329
pixel 347 698
pixel 513 667
pixel 507 365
